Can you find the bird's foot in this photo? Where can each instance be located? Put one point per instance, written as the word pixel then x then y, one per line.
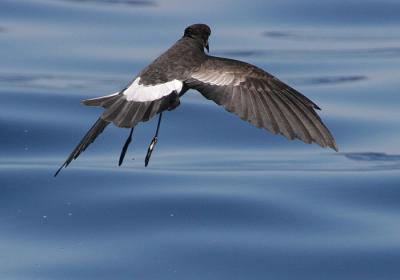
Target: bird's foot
pixel 150 151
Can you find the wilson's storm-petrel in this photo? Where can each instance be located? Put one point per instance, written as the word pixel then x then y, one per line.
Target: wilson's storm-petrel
pixel 241 88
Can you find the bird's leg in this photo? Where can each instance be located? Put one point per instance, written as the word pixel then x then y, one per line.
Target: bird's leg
pixel 153 143
pixel 125 148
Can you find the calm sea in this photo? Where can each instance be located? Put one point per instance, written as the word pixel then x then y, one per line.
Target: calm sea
pixel 220 199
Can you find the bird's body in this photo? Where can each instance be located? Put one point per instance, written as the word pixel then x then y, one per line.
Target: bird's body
pixel 241 88
pixel 176 63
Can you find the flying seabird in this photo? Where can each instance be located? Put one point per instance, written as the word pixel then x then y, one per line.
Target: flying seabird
pixel 241 88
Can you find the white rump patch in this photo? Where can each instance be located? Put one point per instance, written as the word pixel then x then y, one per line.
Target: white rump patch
pixel 142 93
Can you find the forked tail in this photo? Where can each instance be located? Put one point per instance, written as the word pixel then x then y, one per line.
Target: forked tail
pixel 90 136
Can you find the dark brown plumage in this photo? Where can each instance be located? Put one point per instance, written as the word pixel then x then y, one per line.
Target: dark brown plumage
pixel 241 88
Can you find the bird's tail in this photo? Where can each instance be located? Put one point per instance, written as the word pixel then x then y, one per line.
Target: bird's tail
pixel 90 136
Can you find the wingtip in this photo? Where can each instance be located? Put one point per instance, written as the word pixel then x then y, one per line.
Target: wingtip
pixel 58 171
pixel 89 102
pixel 334 146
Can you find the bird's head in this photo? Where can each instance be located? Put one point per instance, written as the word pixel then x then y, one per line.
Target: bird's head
pixel 199 32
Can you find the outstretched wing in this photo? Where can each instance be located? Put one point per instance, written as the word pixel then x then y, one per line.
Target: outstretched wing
pixel 138 102
pixel 88 139
pixel 261 99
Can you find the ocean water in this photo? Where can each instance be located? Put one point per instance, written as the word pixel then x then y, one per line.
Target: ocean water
pixel 220 198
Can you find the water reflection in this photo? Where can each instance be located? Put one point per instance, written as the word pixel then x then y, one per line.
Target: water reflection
pixel 328 80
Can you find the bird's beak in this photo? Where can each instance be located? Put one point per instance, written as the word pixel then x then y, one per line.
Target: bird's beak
pixel 207 47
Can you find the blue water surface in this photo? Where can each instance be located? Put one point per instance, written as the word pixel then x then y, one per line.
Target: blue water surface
pixel 220 199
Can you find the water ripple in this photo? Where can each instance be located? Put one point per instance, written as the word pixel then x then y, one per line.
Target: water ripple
pixel 338 37
pixel 56 81
pixel 135 3
pixel 371 156
pixel 218 162
pixel 220 199
pixel 376 52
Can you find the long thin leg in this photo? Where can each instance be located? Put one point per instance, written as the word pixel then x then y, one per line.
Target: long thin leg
pixel 125 148
pixel 153 143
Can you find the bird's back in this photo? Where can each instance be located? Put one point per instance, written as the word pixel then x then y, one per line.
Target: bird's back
pixel 176 63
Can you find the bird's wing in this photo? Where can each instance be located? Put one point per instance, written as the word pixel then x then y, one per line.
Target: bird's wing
pixel 138 102
pixel 89 138
pixel 261 99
